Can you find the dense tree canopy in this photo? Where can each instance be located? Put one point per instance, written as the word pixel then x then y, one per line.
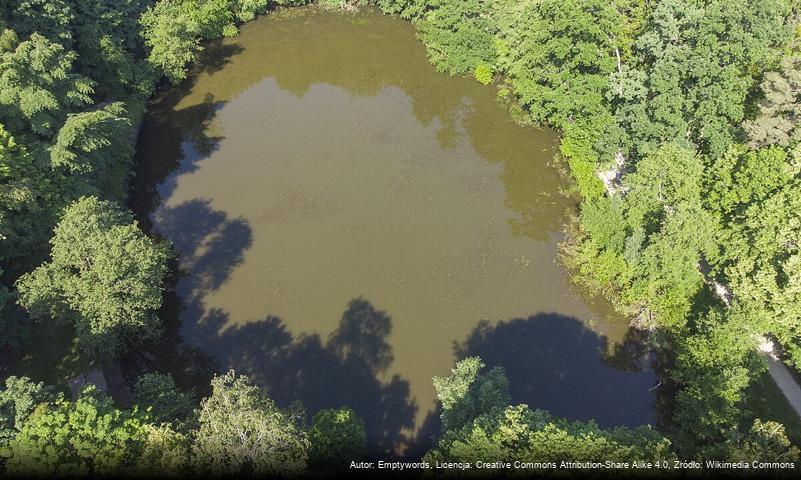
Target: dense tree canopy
pixel 105 276
pixel 490 428
pixel 695 68
pixel 336 437
pixel 28 195
pixel 89 436
pixel 18 400
pixel 38 88
pixel 693 233
pixel 459 36
pixel 172 36
pixel 780 109
pixel 241 429
pixel 166 403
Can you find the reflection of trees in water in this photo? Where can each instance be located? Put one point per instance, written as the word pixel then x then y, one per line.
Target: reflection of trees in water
pixel 553 361
pixel 168 148
pixel 556 363
pixel 300 49
pixel 173 140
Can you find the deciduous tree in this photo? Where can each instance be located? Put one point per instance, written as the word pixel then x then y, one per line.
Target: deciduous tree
pixel 241 429
pixel 104 275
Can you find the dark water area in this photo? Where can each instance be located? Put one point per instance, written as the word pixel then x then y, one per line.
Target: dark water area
pixel 350 222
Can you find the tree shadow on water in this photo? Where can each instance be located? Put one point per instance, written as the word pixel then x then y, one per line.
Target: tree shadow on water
pixel 210 244
pixel 554 362
pixel 171 143
pixel 173 140
pixel 346 369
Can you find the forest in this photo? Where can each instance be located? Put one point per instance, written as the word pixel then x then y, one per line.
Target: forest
pixel 678 123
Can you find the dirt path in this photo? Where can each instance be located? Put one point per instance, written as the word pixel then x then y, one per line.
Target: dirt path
pixel 782 376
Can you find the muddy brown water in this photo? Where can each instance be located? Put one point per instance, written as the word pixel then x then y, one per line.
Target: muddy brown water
pixel 350 222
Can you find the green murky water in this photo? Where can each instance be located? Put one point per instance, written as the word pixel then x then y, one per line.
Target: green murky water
pixel 347 218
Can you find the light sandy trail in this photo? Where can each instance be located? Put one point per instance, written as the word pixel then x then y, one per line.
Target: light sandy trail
pixel 782 376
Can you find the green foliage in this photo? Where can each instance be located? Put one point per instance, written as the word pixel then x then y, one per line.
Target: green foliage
pixel 246 10
pixel 557 57
pixel 484 73
pixel 337 437
pixel 763 262
pixel 240 426
pixel 780 109
pixel 172 37
pixel 764 442
pixel 218 18
pixel 516 433
pixel 165 452
pixel 104 275
pixel 18 400
pixel 459 36
pixel 292 3
pixel 466 393
pixel 91 142
pixel 714 364
pixel 347 5
pixel 50 18
pixel 604 221
pixel 756 192
pixel 408 9
pixel 664 204
pixel 29 195
pixel 488 428
pixel 86 437
pixel 741 177
pixel 8 38
pixel 578 143
pixel 214 17
pixel 107 41
pixel 697 65
pixel 166 403
pixel 649 243
pixel 38 88
pixel 172 29
pixel 560 69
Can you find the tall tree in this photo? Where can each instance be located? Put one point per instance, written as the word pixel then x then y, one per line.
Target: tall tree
pixel 560 70
pixel 697 63
pixel 167 404
pixel 337 437
pixel 38 87
pixel 502 432
pixel 242 430
pixel 715 361
pixel 18 400
pixel 50 18
pixel 104 275
pixel 95 147
pixel 89 436
pixel 780 109
pixel 29 197
pixel 107 41
pixel 459 36
pixel 172 37
pixel 467 393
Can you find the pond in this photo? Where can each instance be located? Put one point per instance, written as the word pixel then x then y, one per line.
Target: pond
pixel 349 222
